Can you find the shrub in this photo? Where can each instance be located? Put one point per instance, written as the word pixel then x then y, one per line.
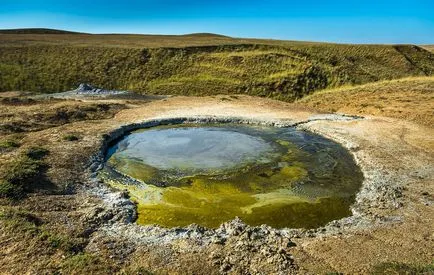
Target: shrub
pixel 22 170
pixel 36 153
pixel 70 137
pixel 9 190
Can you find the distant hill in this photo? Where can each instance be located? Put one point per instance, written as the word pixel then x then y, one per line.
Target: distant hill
pixel 36 31
pixel 429 47
pixel 206 34
pixel 198 64
pixel 55 31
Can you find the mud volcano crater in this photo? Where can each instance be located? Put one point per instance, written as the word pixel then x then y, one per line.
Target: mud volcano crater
pixel 208 174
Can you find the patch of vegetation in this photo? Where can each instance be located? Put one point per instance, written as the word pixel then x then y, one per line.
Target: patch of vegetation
pixel 65 243
pixel 13 127
pixel 278 69
pixel 70 137
pixel 85 262
pixel 40 238
pixel 67 114
pixel 29 224
pixel 9 190
pixel 36 153
pixel 416 56
pixel 23 174
pixel 408 98
pixel 50 114
pixel 62 251
pixel 8 144
pixel 401 268
pixel 16 101
pixel 20 222
pixel 139 271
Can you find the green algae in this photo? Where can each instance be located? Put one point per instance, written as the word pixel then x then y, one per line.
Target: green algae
pixel 135 168
pixel 291 190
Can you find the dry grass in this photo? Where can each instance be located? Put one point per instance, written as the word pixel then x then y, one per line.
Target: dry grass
pixel 126 40
pixel 409 99
pixel 20 115
pixel 429 47
pixel 39 222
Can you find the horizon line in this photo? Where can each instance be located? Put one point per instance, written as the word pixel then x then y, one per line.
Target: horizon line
pixel 68 31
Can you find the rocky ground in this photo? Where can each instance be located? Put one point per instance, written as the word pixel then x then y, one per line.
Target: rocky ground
pixel 77 224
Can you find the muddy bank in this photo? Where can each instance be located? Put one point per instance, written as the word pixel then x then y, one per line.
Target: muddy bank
pixel 374 190
pixel 369 140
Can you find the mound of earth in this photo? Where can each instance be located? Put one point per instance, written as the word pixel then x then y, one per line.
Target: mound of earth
pixel 87 89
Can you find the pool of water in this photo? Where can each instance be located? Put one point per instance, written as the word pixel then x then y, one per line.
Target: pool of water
pixel 209 174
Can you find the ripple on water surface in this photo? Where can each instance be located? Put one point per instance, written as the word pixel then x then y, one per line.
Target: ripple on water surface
pixel 209 174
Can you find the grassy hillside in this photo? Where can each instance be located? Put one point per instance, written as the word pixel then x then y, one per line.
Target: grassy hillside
pixel 199 64
pixel 409 98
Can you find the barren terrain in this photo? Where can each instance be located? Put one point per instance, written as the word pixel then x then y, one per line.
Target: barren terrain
pixel 66 220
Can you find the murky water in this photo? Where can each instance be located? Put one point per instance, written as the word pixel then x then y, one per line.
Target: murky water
pixel 209 174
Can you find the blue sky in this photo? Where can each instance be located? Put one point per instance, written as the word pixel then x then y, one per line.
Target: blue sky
pixel 337 21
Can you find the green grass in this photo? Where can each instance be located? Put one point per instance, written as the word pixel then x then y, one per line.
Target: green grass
pixel 70 137
pixel 8 144
pixel 401 268
pixel 81 262
pixel 201 64
pixel 23 174
pixel 36 153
